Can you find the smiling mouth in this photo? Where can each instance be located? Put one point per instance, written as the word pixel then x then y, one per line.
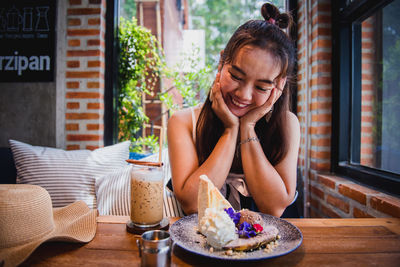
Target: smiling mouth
pixel 238 104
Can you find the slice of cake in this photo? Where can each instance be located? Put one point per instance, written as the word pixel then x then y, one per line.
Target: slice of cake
pixel 209 197
pixel 224 228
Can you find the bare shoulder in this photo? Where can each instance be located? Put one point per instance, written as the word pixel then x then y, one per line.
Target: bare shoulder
pixel 183 117
pixel 293 121
pixel 180 117
pixel 293 126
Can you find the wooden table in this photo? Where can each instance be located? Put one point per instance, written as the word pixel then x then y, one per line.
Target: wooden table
pixel 326 242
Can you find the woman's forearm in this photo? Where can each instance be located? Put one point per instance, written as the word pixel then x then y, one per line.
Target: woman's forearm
pixel 268 188
pixel 216 167
pixel 218 164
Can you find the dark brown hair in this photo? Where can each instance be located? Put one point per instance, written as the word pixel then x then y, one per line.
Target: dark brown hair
pixel 267 35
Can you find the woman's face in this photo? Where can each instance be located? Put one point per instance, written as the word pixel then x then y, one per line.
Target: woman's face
pixel 246 83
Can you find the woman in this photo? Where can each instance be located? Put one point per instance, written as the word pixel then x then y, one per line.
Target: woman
pixel 244 138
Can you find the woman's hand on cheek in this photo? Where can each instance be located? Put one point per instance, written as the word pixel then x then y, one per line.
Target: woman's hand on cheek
pixel 254 115
pixel 219 106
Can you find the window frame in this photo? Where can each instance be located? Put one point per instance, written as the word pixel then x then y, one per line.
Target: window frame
pixel 111 73
pixel 346 95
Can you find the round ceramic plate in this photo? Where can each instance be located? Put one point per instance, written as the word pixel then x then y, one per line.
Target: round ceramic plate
pixel 185 234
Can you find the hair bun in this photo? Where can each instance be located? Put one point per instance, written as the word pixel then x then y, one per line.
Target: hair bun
pixel 282 21
pixel 272 15
pixel 269 11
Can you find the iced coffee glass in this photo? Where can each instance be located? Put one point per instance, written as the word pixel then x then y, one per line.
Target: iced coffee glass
pixel 147 191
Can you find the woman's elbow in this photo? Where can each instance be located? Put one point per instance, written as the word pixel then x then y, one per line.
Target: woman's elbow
pixel 188 207
pixel 277 212
pixel 189 210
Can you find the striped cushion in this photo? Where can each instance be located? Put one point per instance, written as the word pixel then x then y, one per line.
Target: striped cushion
pixel 172 208
pixel 113 195
pixel 113 192
pixel 68 176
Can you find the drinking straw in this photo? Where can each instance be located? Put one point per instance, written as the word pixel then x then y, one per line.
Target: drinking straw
pixel 146 163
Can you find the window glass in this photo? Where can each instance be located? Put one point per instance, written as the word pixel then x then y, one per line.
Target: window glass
pixel 380 89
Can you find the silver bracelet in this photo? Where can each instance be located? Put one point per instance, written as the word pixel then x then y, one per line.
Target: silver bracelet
pixel 249 140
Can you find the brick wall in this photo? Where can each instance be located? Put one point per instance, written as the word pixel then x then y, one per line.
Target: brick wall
pixel 335 197
pixel 84 76
pixel 314 87
pixel 327 195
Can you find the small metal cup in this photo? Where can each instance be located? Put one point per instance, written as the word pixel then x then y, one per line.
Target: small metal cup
pixel 155 248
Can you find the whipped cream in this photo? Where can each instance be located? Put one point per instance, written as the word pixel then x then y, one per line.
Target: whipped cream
pixel 218 227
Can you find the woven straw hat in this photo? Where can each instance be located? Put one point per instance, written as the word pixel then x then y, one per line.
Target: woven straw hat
pixel 27 219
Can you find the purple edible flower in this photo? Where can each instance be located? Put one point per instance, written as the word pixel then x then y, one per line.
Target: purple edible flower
pixel 246 229
pixel 235 216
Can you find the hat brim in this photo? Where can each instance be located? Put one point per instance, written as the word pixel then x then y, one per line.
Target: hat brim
pixel 73 223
